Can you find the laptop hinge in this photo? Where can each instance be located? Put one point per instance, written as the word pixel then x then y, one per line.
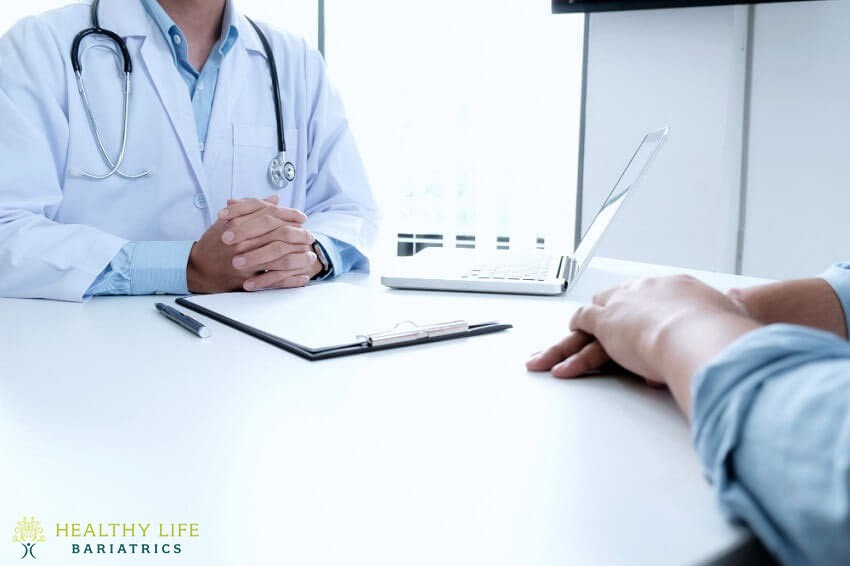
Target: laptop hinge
pixel 563 267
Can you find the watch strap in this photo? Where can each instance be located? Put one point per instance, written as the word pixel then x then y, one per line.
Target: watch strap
pixel 322 256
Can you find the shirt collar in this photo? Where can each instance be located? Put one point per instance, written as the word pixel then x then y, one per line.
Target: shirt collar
pixel 229 29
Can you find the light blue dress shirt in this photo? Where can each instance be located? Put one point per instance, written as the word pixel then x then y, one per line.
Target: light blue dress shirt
pixel 771 424
pixel 143 268
pixel 201 84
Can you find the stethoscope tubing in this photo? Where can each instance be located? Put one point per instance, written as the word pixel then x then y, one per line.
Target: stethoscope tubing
pixel 281 171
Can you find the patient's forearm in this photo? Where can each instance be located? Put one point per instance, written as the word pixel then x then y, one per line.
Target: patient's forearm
pixel 806 302
pixel 687 344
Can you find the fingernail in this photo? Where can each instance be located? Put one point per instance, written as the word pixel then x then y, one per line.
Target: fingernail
pixel 224 213
pixel 305 279
pixel 535 356
pixel 239 262
pixel 228 237
pixel 250 285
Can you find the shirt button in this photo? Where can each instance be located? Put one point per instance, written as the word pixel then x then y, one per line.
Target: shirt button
pixel 201 147
pixel 200 201
pixel 201 85
pixel 177 39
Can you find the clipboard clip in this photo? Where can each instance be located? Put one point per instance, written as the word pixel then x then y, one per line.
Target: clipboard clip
pixel 408 331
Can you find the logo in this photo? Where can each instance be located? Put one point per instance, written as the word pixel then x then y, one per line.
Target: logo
pixel 28 532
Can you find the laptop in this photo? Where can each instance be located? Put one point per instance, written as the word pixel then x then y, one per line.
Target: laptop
pixel 538 273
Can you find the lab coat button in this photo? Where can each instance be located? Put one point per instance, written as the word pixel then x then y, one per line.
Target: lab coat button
pixel 200 201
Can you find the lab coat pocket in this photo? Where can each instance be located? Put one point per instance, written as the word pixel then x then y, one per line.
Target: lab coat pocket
pixel 254 148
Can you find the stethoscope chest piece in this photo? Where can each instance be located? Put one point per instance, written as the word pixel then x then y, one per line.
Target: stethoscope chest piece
pixel 281 171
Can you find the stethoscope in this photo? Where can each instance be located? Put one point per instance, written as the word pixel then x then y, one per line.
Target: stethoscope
pixel 281 171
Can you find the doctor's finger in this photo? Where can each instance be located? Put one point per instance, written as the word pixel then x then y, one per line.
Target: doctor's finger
pixel 268 238
pixel 292 262
pixel 237 208
pixel 557 353
pixel 285 215
pixel 591 357
pixel 262 255
pixel 250 227
pixel 294 235
pixel 247 207
pixel 274 199
pixel 277 280
pixel 287 234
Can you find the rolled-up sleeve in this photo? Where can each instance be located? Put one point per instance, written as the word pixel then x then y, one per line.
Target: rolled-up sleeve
pixel 771 424
pixel 838 276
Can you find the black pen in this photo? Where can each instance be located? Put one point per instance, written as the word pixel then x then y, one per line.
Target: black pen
pixel 183 320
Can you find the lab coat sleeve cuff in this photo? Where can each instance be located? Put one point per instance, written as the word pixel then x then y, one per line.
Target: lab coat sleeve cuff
pixel 160 268
pixel 104 248
pixel 838 276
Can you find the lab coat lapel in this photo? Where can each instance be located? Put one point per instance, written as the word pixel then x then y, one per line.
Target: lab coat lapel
pixel 233 75
pixel 231 79
pixel 129 19
pixel 174 96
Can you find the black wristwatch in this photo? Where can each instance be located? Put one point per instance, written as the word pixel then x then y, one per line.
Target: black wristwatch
pixel 327 268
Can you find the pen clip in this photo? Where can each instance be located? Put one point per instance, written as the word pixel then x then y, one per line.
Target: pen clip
pixel 409 331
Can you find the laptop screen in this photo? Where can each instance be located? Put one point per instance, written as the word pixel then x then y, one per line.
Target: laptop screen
pixel 625 186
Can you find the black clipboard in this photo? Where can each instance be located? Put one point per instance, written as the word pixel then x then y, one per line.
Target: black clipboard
pixel 399 337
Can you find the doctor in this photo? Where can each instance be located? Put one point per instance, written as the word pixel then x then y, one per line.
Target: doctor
pixel 188 191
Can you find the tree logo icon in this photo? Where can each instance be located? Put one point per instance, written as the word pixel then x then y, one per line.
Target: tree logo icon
pixel 28 532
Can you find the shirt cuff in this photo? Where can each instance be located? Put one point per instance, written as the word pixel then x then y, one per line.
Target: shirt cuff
pixel 160 268
pixel 838 276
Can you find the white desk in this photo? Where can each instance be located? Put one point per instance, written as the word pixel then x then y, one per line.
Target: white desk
pixel 449 453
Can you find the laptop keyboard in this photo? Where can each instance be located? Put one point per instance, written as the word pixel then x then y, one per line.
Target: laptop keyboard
pixel 540 269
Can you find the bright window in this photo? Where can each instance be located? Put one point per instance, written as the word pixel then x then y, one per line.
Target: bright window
pixel 300 17
pixel 467 115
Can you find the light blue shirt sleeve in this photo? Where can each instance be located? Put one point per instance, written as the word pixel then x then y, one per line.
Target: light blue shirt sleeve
pixel 771 424
pixel 839 277
pixel 343 257
pixel 145 268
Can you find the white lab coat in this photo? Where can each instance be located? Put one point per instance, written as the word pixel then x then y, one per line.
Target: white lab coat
pixel 59 231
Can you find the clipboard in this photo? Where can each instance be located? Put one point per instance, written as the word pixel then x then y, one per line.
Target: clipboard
pixel 402 335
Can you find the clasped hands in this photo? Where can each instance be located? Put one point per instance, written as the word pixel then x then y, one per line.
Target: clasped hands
pixel 254 245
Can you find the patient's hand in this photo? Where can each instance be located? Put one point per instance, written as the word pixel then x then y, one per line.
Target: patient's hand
pixel 575 355
pixel 662 329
